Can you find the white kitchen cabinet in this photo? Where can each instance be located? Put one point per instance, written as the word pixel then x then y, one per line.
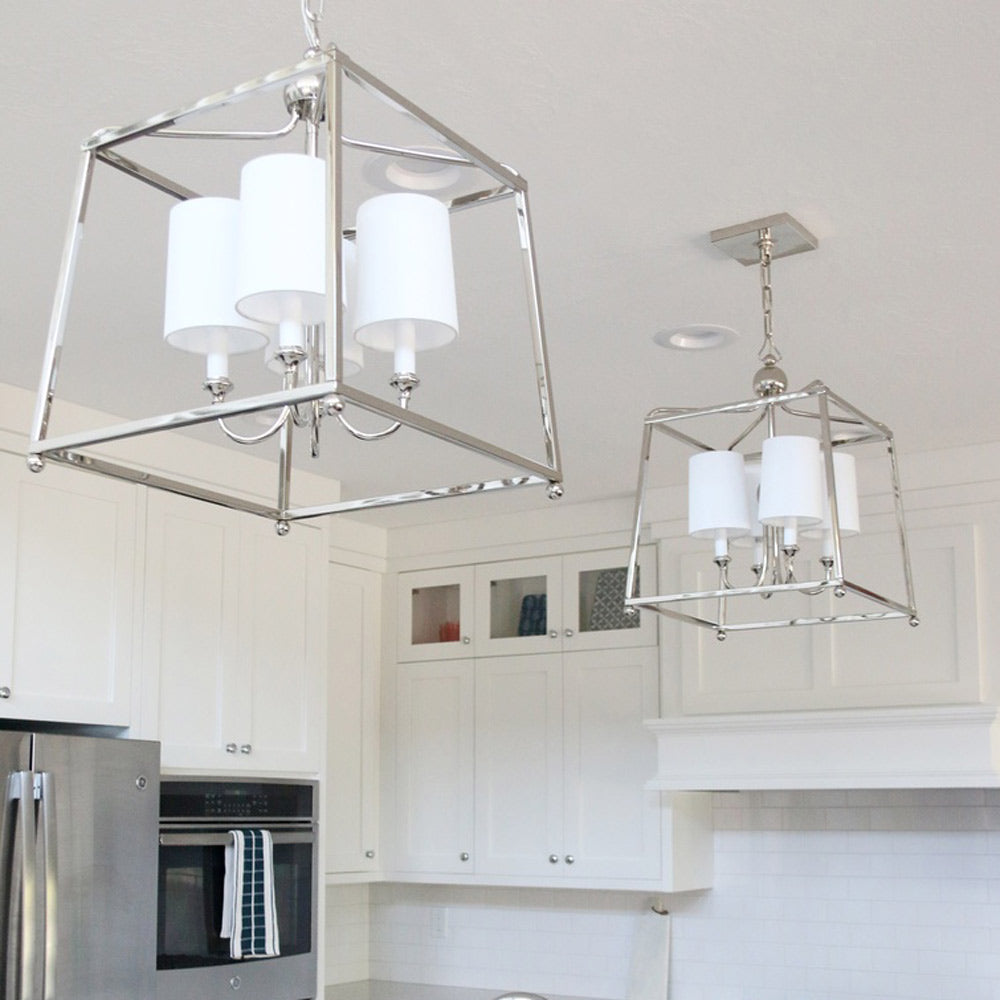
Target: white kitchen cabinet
pixel 234 639
pixel 558 603
pixel 561 760
pixel 531 770
pixel 434 614
pixel 434 765
pixel 542 605
pixel 860 665
pixel 67 595
pixel 352 763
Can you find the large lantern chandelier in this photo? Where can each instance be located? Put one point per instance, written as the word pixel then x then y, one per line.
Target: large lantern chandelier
pixel 311 266
pixel 773 489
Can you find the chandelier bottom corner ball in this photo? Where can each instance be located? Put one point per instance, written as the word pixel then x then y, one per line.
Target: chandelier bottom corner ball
pixel 312 257
pixel 773 485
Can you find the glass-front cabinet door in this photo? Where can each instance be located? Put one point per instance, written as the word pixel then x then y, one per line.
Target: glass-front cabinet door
pixel 519 606
pixel 593 612
pixel 435 614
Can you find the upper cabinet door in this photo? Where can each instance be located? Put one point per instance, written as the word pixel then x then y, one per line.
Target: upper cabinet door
pixel 435 615
pixel 234 640
pixel 593 612
pixel 190 633
pixel 519 607
pixel 283 634
pixel 67 547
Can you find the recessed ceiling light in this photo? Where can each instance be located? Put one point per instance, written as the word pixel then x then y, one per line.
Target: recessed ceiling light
pixel 394 173
pixel 695 337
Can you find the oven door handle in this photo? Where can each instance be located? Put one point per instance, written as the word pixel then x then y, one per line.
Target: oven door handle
pixel 222 838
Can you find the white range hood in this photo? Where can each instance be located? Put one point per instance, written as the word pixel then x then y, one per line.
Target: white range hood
pixel 937 747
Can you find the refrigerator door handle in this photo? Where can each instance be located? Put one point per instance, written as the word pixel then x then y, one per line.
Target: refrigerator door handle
pixel 20 883
pixel 8 885
pixel 45 785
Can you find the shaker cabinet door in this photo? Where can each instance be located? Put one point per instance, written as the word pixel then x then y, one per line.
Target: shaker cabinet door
pixel 67 605
pixel 434 778
pixel 519 776
pixel 234 639
pixel 190 638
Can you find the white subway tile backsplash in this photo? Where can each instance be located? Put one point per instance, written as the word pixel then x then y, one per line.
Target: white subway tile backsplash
pixel 860 895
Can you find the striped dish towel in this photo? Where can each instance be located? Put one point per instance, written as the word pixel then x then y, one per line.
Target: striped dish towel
pixel 248 914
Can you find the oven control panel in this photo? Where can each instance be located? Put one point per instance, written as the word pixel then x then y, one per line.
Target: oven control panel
pixel 186 799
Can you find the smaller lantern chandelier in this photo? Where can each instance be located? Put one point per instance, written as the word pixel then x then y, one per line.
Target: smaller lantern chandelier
pixel 310 265
pixel 773 485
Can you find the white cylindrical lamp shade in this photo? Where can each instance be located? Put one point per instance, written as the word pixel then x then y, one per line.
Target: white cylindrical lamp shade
pixel 405 285
pixel 845 476
pixel 281 277
pixel 717 497
pixel 198 313
pixel 791 485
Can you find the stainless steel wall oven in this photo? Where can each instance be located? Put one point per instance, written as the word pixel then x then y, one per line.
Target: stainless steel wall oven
pixel 196 816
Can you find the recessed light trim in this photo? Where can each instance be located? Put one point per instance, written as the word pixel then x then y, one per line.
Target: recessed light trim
pixel 696 337
pixel 394 173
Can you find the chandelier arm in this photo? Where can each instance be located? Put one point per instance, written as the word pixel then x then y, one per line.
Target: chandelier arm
pixel 255 438
pixel 177 133
pixel 317 414
pixel 297 418
pixel 792 411
pixel 750 429
pixel 367 435
pixel 769 567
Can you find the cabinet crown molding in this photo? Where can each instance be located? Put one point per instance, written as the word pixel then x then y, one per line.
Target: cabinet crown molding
pixel 956 746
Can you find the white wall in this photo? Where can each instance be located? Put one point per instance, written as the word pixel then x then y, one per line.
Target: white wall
pixel 818 896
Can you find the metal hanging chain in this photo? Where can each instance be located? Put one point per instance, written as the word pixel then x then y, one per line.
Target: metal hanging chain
pixel 768 353
pixel 312 14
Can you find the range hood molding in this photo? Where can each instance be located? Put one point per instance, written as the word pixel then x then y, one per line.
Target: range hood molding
pixel 955 746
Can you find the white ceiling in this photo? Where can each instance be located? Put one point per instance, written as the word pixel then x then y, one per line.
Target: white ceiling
pixel 640 126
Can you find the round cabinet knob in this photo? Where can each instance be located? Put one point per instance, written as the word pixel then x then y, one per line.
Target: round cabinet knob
pixel 231 748
pixel 569 633
pixel 246 748
pixel 554 634
pixel 464 856
pixel 466 639
pixel 4 692
pixel 369 855
pixel 235 982
pixel 570 859
pixel 553 859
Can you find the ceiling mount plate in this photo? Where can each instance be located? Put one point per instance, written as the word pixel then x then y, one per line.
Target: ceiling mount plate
pixel 788 235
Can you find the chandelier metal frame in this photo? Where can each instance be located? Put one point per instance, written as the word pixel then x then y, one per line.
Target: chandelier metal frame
pixel 841 426
pixel 314 387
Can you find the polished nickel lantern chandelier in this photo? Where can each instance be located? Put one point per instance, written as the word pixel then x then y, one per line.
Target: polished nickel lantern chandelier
pixel 773 489
pixel 312 263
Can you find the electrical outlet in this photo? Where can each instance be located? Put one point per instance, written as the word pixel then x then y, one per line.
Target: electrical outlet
pixel 439 922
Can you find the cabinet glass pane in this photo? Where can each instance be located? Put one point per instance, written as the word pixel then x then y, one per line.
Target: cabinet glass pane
pixel 602 600
pixel 436 614
pixel 518 607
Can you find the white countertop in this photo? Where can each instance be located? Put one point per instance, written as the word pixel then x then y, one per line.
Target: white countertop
pixel 376 989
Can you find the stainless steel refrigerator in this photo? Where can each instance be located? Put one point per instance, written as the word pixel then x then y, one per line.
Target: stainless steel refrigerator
pixel 78 861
